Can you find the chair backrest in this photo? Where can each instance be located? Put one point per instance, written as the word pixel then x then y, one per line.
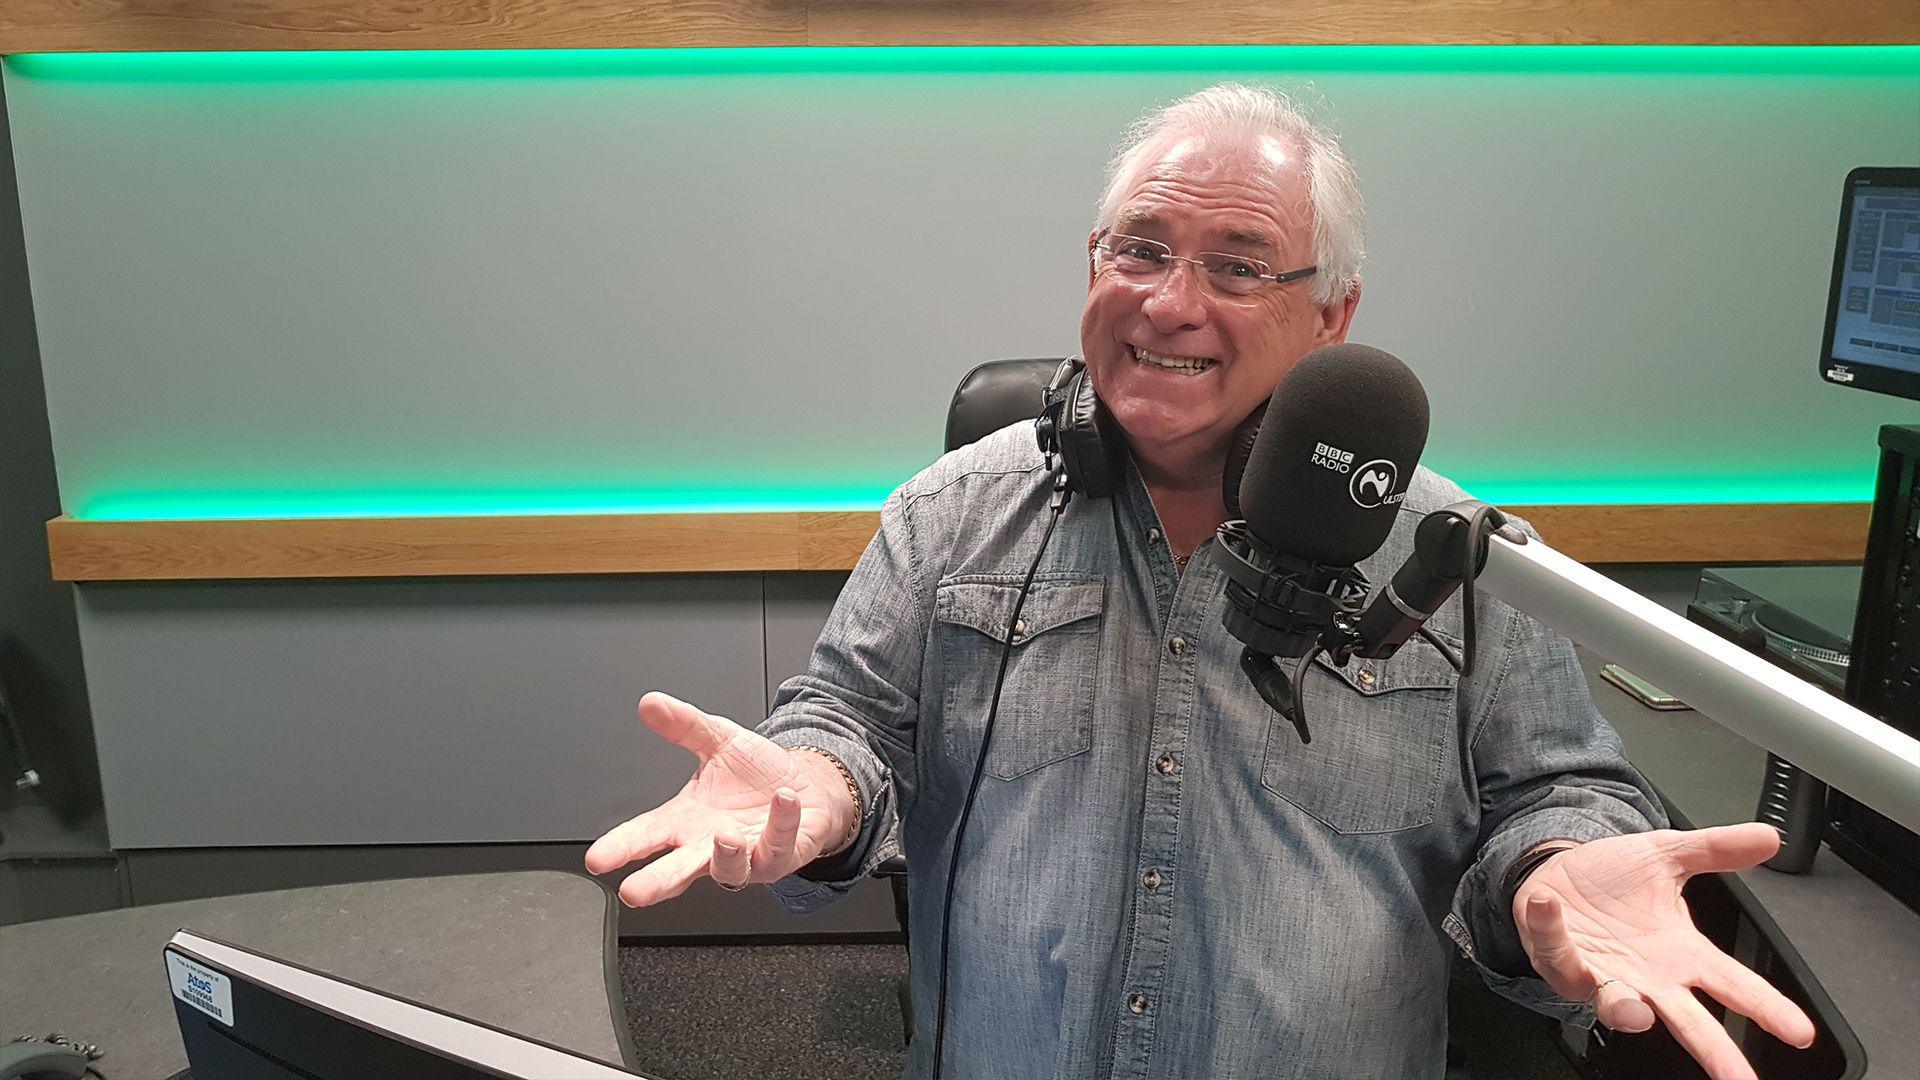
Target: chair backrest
pixel 996 394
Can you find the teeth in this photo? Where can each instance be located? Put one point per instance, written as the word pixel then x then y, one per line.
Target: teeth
pixel 1191 364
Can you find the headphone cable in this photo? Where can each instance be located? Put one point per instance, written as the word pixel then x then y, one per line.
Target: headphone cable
pixel 973 786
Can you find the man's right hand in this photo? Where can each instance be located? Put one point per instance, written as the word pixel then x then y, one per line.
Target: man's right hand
pixel 754 811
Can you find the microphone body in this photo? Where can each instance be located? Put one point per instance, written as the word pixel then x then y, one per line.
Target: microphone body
pixel 1429 577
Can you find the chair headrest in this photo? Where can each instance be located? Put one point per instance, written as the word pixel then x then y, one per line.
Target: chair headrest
pixel 995 394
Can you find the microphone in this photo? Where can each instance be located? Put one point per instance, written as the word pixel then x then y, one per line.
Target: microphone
pixel 1448 549
pixel 1322 487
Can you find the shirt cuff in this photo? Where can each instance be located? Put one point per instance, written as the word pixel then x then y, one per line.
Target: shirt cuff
pixel 1532 859
pixel 1485 903
pixel 810 886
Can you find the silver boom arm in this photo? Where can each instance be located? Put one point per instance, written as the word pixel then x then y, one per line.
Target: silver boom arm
pixel 1870 761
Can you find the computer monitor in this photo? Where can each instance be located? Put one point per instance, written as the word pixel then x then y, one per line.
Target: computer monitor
pixel 245 1014
pixel 1873 307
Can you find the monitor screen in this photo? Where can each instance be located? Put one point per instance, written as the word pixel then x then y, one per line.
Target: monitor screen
pixel 1873 310
pixel 246 1014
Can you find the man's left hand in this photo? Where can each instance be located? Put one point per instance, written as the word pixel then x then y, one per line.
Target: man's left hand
pixel 1607 916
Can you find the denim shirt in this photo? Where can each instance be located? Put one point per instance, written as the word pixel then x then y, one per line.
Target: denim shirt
pixel 1159 879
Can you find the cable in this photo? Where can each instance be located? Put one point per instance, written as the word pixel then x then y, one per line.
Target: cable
pixel 973 786
pixel 1470 569
pixel 1440 645
pixel 1299 716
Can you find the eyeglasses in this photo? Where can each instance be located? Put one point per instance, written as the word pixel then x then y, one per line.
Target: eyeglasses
pixel 1143 260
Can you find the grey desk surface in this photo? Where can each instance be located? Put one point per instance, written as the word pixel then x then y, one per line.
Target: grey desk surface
pixel 527 952
pixel 1861 943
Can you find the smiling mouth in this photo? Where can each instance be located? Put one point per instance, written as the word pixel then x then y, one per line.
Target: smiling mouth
pixel 1189 365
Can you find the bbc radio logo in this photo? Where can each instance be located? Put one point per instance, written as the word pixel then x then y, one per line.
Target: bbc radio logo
pixel 1332 457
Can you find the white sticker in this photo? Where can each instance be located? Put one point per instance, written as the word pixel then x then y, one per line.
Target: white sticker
pixel 201 987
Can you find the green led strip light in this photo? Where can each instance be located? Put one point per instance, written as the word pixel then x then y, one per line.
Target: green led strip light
pixel 1299 59
pixel 653 499
pixel 723 498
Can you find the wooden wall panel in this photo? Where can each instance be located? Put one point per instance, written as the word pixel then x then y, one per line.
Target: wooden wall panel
pixel 1714 533
pixel 271 25
pixel 1352 22
pixel 724 543
pixel 169 25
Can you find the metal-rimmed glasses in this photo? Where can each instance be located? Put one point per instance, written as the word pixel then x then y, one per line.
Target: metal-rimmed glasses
pixel 1140 259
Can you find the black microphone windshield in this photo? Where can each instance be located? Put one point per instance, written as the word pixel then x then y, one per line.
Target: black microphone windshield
pixel 1335 454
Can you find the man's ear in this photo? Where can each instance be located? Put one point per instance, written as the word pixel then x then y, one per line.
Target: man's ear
pixel 1336 317
pixel 1093 237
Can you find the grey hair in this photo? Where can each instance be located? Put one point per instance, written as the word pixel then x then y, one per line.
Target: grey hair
pixel 1234 111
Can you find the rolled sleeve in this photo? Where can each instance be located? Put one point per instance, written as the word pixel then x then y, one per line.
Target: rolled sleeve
pixel 1548 767
pixel 826 880
pixel 859 701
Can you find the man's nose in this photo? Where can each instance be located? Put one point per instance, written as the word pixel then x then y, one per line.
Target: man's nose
pixel 1176 302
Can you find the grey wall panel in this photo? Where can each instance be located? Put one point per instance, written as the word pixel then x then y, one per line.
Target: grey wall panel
pixel 797 608
pixel 403 712
pixel 555 284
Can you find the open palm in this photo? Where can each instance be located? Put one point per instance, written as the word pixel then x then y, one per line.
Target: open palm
pixel 753 811
pixel 1606 921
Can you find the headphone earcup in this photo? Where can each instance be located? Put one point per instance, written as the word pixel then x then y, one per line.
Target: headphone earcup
pixel 1239 450
pixel 1091 445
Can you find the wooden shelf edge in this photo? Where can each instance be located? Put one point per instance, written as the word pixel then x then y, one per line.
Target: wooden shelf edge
pixel 290 549
pixel 1714 533
pixel 290 25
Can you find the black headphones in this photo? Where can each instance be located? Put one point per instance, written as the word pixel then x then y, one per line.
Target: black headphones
pixel 1092 450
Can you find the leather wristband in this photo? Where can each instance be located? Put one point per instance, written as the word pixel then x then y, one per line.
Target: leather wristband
pixel 1527 863
pixel 853 790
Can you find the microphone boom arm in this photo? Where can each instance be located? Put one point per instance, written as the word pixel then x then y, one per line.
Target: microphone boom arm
pixel 1873 762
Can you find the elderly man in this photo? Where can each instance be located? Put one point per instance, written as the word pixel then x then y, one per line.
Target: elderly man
pixel 1159 879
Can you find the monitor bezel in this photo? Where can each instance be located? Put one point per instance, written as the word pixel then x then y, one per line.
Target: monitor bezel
pixel 187 943
pixel 1863 376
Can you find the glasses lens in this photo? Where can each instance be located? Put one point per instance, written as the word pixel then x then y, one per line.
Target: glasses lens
pixel 1233 275
pixel 1132 255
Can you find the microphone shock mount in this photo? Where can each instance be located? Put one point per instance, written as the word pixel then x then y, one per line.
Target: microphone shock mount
pixel 1280 605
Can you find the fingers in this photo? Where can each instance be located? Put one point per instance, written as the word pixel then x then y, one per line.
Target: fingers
pixel 1750 995
pixel 686 726
pixel 729 863
pixel 1621 1007
pixel 666 877
pixel 1556 958
pixel 773 856
pixel 1723 849
pixel 636 839
pixel 1551 948
pixel 1702 1036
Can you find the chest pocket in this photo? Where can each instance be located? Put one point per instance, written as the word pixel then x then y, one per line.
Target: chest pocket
pixel 1381 737
pixel 1046 706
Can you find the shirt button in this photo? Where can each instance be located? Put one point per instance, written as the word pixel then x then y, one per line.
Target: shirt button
pixel 1177 646
pixel 1166 765
pixel 1151 879
pixel 1019 628
pixel 1365 676
pixel 1137 1004
pixel 1153 536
